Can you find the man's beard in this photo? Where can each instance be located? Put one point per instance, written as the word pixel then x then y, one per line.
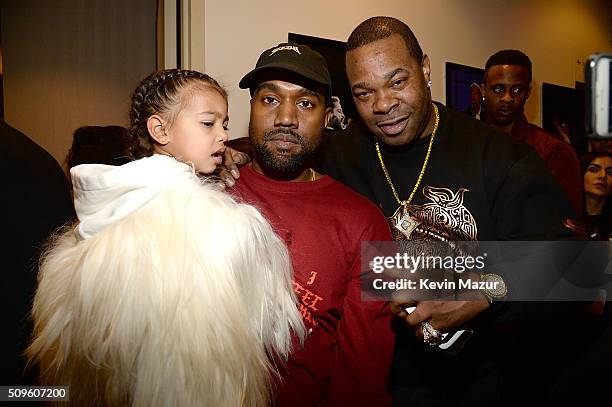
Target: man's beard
pixel 280 166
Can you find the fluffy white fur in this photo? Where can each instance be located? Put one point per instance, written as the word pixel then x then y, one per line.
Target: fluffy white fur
pixel 181 303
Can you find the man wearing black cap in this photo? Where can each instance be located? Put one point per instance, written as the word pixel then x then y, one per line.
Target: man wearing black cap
pixel 347 354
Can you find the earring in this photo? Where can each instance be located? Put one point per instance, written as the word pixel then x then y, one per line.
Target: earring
pixel 429 83
pixel 164 140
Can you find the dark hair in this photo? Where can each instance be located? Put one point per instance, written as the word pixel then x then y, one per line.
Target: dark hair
pixel 588 158
pixel 378 28
pixel 509 57
pixel 605 227
pixel 159 93
pixel 98 145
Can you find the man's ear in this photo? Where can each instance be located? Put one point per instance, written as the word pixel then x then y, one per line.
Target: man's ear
pixel 329 113
pixel 425 66
pixel 482 90
pixel 156 126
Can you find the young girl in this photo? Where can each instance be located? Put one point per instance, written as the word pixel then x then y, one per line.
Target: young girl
pixel 167 292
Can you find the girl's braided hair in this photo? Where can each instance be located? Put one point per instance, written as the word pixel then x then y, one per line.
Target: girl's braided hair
pixel 158 93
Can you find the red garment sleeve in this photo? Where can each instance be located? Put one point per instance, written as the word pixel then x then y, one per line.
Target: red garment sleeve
pixel 364 348
pixel 568 175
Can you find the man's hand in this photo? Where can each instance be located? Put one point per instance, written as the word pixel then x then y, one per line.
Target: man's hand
pixel 442 315
pixel 228 171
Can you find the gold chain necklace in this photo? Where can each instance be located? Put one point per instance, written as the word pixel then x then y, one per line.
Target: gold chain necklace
pixel 418 182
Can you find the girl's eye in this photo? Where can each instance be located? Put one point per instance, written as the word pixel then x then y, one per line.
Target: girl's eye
pixel 208 124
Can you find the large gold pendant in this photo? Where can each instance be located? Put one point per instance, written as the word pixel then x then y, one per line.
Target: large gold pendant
pixel 403 222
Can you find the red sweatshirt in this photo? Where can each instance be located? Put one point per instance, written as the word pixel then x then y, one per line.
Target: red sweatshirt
pixel 347 355
pixel 559 157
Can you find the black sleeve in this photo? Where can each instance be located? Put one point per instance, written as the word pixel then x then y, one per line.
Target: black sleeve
pixel 34 202
pixel 526 203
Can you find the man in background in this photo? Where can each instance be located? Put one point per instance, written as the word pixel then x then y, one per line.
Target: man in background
pixel 475 110
pixel 506 88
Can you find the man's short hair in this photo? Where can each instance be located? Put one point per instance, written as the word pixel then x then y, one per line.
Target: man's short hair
pixel 509 57
pixel 378 28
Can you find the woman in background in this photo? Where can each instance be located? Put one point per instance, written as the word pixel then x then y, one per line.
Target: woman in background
pixel 597 170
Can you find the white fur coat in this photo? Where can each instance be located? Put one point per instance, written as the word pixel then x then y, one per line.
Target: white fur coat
pixel 183 300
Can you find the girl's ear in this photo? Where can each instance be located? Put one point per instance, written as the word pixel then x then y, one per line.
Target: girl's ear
pixel 156 127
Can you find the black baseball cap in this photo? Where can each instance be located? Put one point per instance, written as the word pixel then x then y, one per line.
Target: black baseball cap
pixel 288 56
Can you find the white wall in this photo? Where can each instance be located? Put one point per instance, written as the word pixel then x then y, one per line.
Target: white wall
pixel 557 35
pixel 69 63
